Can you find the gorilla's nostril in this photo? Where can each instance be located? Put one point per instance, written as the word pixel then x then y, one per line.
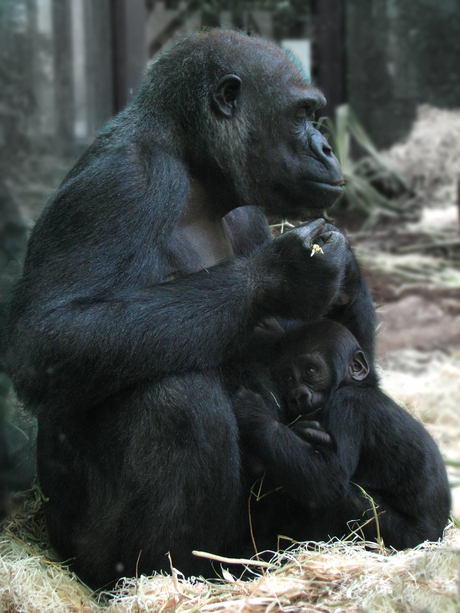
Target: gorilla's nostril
pixel 320 147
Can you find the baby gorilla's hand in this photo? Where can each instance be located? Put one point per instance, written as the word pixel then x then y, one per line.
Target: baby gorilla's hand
pixel 312 432
pixel 253 412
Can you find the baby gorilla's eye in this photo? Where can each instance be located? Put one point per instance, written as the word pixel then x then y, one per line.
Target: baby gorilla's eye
pixel 309 371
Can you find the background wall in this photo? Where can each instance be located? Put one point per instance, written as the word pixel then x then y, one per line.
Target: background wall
pixel 400 55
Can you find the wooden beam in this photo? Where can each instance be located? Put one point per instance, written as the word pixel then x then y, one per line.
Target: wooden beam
pixel 63 76
pixel 129 48
pixel 329 57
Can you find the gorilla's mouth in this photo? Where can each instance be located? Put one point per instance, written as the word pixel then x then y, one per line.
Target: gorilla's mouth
pixel 324 195
pixel 333 187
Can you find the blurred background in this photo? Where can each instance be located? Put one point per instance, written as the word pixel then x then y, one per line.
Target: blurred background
pixel 391 73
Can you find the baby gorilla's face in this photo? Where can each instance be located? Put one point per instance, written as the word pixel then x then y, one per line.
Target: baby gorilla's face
pixel 305 381
pixel 314 359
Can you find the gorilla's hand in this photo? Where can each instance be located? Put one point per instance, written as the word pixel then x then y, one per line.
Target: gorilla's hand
pixel 292 280
pixel 253 412
pixel 351 273
pixel 312 432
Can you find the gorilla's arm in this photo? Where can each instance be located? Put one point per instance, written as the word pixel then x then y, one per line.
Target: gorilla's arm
pixel 247 228
pixel 90 315
pixel 354 307
pixel 311 473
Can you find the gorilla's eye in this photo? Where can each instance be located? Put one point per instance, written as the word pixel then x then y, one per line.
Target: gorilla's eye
pixel 306 113
pixel 310 370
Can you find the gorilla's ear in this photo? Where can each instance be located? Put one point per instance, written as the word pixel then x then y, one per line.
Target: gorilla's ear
pixel 358 367
pixel 226 94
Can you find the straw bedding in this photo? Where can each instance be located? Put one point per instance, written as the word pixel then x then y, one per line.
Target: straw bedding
pixel 430 157
pixel 330 577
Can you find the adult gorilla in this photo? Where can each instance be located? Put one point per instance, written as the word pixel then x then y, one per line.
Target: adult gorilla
pixel 141 278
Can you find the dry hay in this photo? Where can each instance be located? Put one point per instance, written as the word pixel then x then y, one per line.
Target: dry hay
pixel 428 383
pixel 334 577
pixel 430 157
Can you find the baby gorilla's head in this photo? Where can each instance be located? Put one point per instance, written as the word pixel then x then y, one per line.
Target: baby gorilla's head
pixel 314 360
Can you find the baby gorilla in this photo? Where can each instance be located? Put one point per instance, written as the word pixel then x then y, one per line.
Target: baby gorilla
pixel 351 448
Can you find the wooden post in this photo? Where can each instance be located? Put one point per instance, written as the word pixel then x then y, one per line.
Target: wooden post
pixel 458 204
pixel 64 98
pixel 129 48
pixel 329 58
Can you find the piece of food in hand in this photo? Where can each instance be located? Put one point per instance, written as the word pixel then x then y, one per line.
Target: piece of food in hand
pixel 315 249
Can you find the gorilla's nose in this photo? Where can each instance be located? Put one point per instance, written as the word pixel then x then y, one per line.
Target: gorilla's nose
pixel 300 399
pixel 322 150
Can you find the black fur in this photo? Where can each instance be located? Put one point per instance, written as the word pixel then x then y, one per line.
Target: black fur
pixel 350 435
pixel 144 274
